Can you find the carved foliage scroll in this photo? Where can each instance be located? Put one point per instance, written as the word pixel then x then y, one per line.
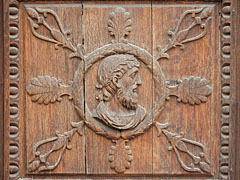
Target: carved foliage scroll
pixel 58 36
pixel 180 36
pixel 179 144
pixel 60 142
pixel 119 62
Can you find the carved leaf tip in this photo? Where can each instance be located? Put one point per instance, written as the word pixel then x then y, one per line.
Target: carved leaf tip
pixel 160 126
pixel 46 89
pixel 32 13
pixel 79 53
pixel 119 24
pixel 79 125
pixel 161 54
pixel 192 90
pixel 206 12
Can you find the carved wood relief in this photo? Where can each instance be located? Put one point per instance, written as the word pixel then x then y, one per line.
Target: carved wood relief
pixel 97 110
pixel 118 115
pixel 13 96
pixel 226 65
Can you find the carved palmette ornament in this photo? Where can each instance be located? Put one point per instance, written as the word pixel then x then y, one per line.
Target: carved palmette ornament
pixel 118 61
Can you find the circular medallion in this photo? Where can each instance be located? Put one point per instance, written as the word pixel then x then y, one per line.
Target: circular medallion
pixel 118 79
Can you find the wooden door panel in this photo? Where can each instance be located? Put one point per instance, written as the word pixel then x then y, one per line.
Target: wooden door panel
pixel 131 90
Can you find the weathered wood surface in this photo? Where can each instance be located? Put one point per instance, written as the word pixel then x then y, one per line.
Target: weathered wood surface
pixel 96 35
pixel 41 58
pixel 1 91
pixel 198 58
pixel 90 152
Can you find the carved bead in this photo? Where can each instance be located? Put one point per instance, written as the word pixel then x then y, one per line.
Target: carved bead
pixel 226 9
pixel 13 149
pixel 13 129
pixel 225 129
pixel 226 89
pixel 226 69
pixel 226 109
pixel 13 70
pixel 226 49
pixel 13 51
pixel 226 29
pixel 13 11
pixel 13 30
pixel 224 150
pixel 13 90
pixel 13 110
pixel 13 169
pixel 224 169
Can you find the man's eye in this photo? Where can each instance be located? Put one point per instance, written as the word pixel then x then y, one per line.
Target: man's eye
pixel 132 75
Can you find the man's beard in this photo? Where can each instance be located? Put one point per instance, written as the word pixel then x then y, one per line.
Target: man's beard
pixel 128 98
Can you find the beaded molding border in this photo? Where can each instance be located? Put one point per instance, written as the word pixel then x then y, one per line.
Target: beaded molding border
pixel 226 61
pixel 13 25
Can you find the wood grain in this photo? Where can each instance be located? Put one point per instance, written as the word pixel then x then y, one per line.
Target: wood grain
pixel 151 158
pixel 41 58
pixel 237 125
pixel 197 59
pixel 96 35
pixel 1 91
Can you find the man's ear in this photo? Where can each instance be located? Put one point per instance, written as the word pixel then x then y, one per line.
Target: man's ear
pixel 116 82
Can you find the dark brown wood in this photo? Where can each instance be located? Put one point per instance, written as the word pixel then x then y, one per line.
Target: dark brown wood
pixel 50 100
pixel 236 151
pixel 52 85
pixel 175 68
pixel 1 91
pixel 96 36
pixel 6 89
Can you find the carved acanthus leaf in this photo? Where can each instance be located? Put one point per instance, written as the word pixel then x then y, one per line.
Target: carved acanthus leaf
pixel 119 24
pixel 192 90
pixel 46 89
pixel 200 162
pixel 60 143
pixel 179 36
pixel 120 156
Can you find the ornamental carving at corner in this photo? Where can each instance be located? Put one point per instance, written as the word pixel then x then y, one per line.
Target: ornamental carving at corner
pixel 118 79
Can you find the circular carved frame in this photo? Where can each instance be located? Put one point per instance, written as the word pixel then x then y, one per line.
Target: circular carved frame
pixel 159 82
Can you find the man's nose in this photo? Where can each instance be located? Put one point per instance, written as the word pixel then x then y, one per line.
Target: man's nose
pixel 139 81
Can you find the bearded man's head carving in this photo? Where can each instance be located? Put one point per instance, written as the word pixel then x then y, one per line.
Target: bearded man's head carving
pixel 118 79
pixel 118 75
